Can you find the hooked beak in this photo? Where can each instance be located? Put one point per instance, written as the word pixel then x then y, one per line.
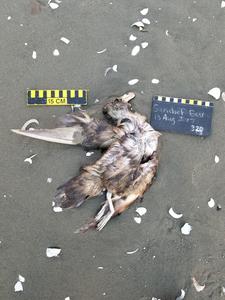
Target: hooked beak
pixel 65 135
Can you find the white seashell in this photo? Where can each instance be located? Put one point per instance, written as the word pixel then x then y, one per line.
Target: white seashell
pixel 67 298
pixel 223 289
pixel 197 286
pixel 144 45
pixel 96 100
pixel 222 4
pixel 146 21
pixel 65 40
pixel 215 93
pixel 186 229
pixel 141 211
pixel 9 18
pixel 107 71
pixel 21 278
pixel 133 81
pixel 167 32
pixel 138 24
pixel 144 11
pixel 217 159
pixel 211 203
pixel 101 51
pixel 89 153
pixel 53 252
pixel 49 180
pixel 114 67
pixel 56 52
pixel 57 209
pixel 100 268
pixel 132 38
pixel 137 220
pixel 29 159
pixel 155 81
pixel 53 203
pixel 174 215
pixel 135 50
pixel 18 287
pixel 34 55
pixel 53 5
pixel 223 96
pixel 27 123
pixel 132 252
pixel 182 295
pixel 194 20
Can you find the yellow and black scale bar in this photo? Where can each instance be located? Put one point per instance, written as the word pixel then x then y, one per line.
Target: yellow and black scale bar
pixel 57 97
pixel 183 101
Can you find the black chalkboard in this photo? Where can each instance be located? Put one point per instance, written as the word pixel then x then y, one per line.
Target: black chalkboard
pixel 187 116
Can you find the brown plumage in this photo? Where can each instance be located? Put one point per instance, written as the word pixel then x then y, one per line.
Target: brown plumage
pixel 126 168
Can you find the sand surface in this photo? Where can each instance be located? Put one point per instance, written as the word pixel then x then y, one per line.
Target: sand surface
pixel 188 59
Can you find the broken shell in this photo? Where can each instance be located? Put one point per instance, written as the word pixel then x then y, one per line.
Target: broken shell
pixel 57 209
pixel 133 81
pixel 217 159
pixel 132 252
pixel 89 153
pixel 49 180
pixel 215 93
pixel 114 67
pixel 29 159
pixel 186 229
pixel 140 25
pixel 67 298
pixel 155 81
pixel 211 203
pixel 144 11
pixel 137 220
pixel 135 50
pixel 222 4
pixel 167 33
pixel 9 18
pixel 34 55
pixel 132 38
pixel 146 21
pixel 56 52
pixel 53 252
pixel 65 40
pixel 182 295
pixel 141 211
pixel 194 19
pixel 144 45
pixel 101 51
pixel 197 286
pixel 27 123
pixel 174 215
pixel 107 71
pixel 53 5
pixel 18 287
pixel 21 278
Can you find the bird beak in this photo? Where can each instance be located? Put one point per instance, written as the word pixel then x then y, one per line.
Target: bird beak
pixel 66 135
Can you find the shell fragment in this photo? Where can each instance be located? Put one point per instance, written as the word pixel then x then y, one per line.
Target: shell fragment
pixel 53 5
pixel 215 93
pixel 65 40
pixel 34 54
pixel 141 211
pixel 53 252
pixel 155 81
pixel 137 220
pixel 182 295
pixel 174 215
pixel 186 229
pixel 133 81
pixel 211 203
pixel 21 278
pixel 217 159
pixel 140 25
pixel 197 286
pixel 144 45
pixel 56 52
pixel 132 38
pixel 18 287
pixel 135 50
pixel 222 4
pixel 144 11
pixel 146 21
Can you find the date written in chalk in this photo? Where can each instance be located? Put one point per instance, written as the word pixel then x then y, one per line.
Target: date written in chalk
pixel 180 115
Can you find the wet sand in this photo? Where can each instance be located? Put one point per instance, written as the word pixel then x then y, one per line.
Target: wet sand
pixel 188 61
